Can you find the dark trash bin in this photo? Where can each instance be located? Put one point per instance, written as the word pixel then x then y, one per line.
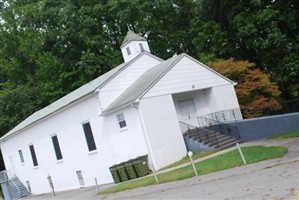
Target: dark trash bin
pixel 122 172
pixel 130 169
pixel 141 165
pixel 115 174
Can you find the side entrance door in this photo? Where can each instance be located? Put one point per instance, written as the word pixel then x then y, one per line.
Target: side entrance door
pixel 187 109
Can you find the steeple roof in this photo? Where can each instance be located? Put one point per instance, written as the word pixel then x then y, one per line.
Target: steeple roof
pixel 131 36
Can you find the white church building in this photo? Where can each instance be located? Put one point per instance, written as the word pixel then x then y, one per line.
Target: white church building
pixel 132 110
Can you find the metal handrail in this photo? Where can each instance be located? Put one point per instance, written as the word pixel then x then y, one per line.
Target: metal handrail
pixel 215 135
pixel 186 125
pixel 214 122
pixel 225 115
pixel 216 125
pixel 3 176
pixel 197 131
pixel 19 192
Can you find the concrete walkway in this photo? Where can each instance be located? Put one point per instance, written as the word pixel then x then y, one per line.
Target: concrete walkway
pixel 271 179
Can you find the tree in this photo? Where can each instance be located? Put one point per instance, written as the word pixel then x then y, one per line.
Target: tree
pixel 263 32
pixel 16 104
pixel 49 48
pixel 54 47
pixel 166 24
pixel 256 93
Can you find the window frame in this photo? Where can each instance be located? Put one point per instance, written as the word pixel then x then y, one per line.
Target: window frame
pixel 33 155
pixel 90 141
pixel 57 148
pixel 80 178
pixel 21 155
pixel 121 121
pixel 128 51
pixel 141 47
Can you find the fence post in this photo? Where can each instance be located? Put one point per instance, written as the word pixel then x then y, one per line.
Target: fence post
pixel 241 154
pixel 190 154
pixel 155 174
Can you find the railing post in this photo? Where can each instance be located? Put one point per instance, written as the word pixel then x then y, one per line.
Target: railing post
pixel 234 115
pixel 229 131
pixel 238 134
pixel 223 116
pixel 198 133
pixel 217 126
pixel 216 117
pixel 198 121
pixel 216 138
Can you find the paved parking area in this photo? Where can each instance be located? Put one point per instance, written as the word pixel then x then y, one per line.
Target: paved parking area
pixel 88 193
pixel 271 179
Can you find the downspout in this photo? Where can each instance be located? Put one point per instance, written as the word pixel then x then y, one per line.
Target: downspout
pixel 145 134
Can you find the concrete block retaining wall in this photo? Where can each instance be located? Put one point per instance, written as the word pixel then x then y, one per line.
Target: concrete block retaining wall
pixel 263 127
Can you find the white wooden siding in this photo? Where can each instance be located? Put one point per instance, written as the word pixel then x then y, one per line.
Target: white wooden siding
pixel 126 143
pixel 157 111
pixel 163 130
pixel 222 98
pixel 112 145
pixel 186 75
pixel 200 100
pixel 121 82
pixel 134 49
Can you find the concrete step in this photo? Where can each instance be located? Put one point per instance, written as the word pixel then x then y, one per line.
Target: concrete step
pixel 211 138
pixel 219 138
pixel 205 138
pixel 222 141
pixel 230 144
pixel 17 188
pixel 203 135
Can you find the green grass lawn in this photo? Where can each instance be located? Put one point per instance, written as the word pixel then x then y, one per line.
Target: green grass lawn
pixel 227 160
pixel 186 159
pixel 291 134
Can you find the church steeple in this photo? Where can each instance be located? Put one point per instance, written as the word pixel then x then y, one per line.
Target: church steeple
pixel 133 45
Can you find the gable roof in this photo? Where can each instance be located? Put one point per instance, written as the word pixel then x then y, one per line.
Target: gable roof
pixel 73 97
pixel 146 81
pixel 131 36
pixel 141 85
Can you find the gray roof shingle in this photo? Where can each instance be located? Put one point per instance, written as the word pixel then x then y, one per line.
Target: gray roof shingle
pixel 146 81
pixel 131 36
pixel 141 85
pixel 70 98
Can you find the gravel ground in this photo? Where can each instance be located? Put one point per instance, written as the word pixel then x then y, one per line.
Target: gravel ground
pixel 271 179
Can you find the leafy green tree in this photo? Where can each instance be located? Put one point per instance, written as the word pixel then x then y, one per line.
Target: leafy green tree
pixel 49 48
pixel 16 104
pixel 53 47
pixel 166 24
pixel 263 32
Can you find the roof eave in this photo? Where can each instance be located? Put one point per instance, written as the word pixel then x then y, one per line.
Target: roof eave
pixel 119 108
pixel 8 135
pixel 137 99
pixel 124 44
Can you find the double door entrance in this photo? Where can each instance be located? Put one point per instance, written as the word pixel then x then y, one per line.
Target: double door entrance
pixel 187 111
